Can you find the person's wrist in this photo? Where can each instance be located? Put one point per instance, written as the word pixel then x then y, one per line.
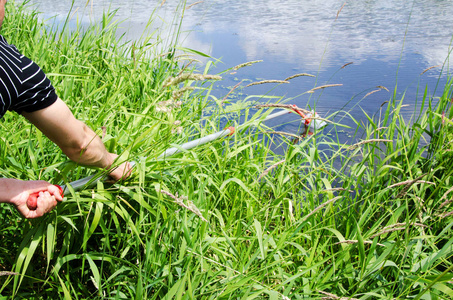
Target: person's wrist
pixel 18 191
pixel 111 157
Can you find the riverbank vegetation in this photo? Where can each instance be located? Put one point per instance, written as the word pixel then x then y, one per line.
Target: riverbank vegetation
pixel 230 219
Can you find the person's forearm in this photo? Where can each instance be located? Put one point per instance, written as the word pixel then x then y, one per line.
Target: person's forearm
pixel 8 189
pixel 11 188
pixel 88 149
pixel 75 139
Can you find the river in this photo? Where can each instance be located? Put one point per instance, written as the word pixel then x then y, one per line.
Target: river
pixel 360 44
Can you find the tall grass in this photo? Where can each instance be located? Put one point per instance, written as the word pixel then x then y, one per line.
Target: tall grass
pixel 227 220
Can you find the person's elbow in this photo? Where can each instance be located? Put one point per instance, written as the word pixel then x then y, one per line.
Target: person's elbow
pixel 77 147
pixel 75 152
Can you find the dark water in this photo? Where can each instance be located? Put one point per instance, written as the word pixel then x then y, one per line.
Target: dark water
pixel 388 43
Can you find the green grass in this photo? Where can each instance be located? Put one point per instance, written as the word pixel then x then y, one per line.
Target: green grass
pixel 376 227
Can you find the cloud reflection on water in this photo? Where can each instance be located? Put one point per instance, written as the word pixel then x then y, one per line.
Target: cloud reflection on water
pixel 297 31
pixel 304 32
pixel 382 37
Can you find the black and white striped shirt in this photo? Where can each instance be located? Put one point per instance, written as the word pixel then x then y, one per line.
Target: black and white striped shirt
pixel 23 85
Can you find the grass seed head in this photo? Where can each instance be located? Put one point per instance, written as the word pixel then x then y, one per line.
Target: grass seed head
pixel 347 64
pixel 266 81
pixel 323 87
pixel 446 202
pixel 298 75
pixel 172 81
pixel 246 64
pixel 367 142
pixel 356 241
pixel 271 168
pixel 286 106
pixel 180 201
pixel 177 94
pixel 445 215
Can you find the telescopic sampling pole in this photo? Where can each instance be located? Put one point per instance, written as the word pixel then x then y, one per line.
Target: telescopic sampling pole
pixel 91 180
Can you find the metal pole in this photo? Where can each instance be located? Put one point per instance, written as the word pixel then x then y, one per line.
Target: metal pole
pixel 91 180
pixel 198 142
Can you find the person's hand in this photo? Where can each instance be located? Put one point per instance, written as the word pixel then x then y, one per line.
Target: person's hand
pixel 121 172
pixel 48 197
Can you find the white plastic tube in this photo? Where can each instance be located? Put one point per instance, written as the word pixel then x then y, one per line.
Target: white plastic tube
pixel 91 180
pixel 198 142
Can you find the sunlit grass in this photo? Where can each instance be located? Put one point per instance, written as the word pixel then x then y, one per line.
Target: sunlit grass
pixel 265 226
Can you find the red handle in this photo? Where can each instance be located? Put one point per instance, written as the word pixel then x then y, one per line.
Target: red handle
pixel 32 201
pixel 297 111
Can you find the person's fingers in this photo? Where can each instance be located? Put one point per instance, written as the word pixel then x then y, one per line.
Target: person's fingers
pixel 53 190
pixel 56 191
pixel 35 198
pixel 127 170
pixel 121 172
pixel 32 201
pixel 46 202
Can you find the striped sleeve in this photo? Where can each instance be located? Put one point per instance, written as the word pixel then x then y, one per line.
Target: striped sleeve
pixel 23 85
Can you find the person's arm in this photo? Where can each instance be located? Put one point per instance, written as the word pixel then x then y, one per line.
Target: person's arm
pixel 17 192
pixel 76 140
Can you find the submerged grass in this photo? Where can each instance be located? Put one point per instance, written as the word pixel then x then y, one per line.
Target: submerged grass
pixel 230 219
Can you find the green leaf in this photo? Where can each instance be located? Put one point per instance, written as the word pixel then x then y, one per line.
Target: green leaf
pixel 50 243
pixel 259 236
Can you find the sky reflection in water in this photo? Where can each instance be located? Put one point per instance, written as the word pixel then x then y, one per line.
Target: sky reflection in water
pixel 387 41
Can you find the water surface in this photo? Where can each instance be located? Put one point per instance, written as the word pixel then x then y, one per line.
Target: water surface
pixel 384 43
